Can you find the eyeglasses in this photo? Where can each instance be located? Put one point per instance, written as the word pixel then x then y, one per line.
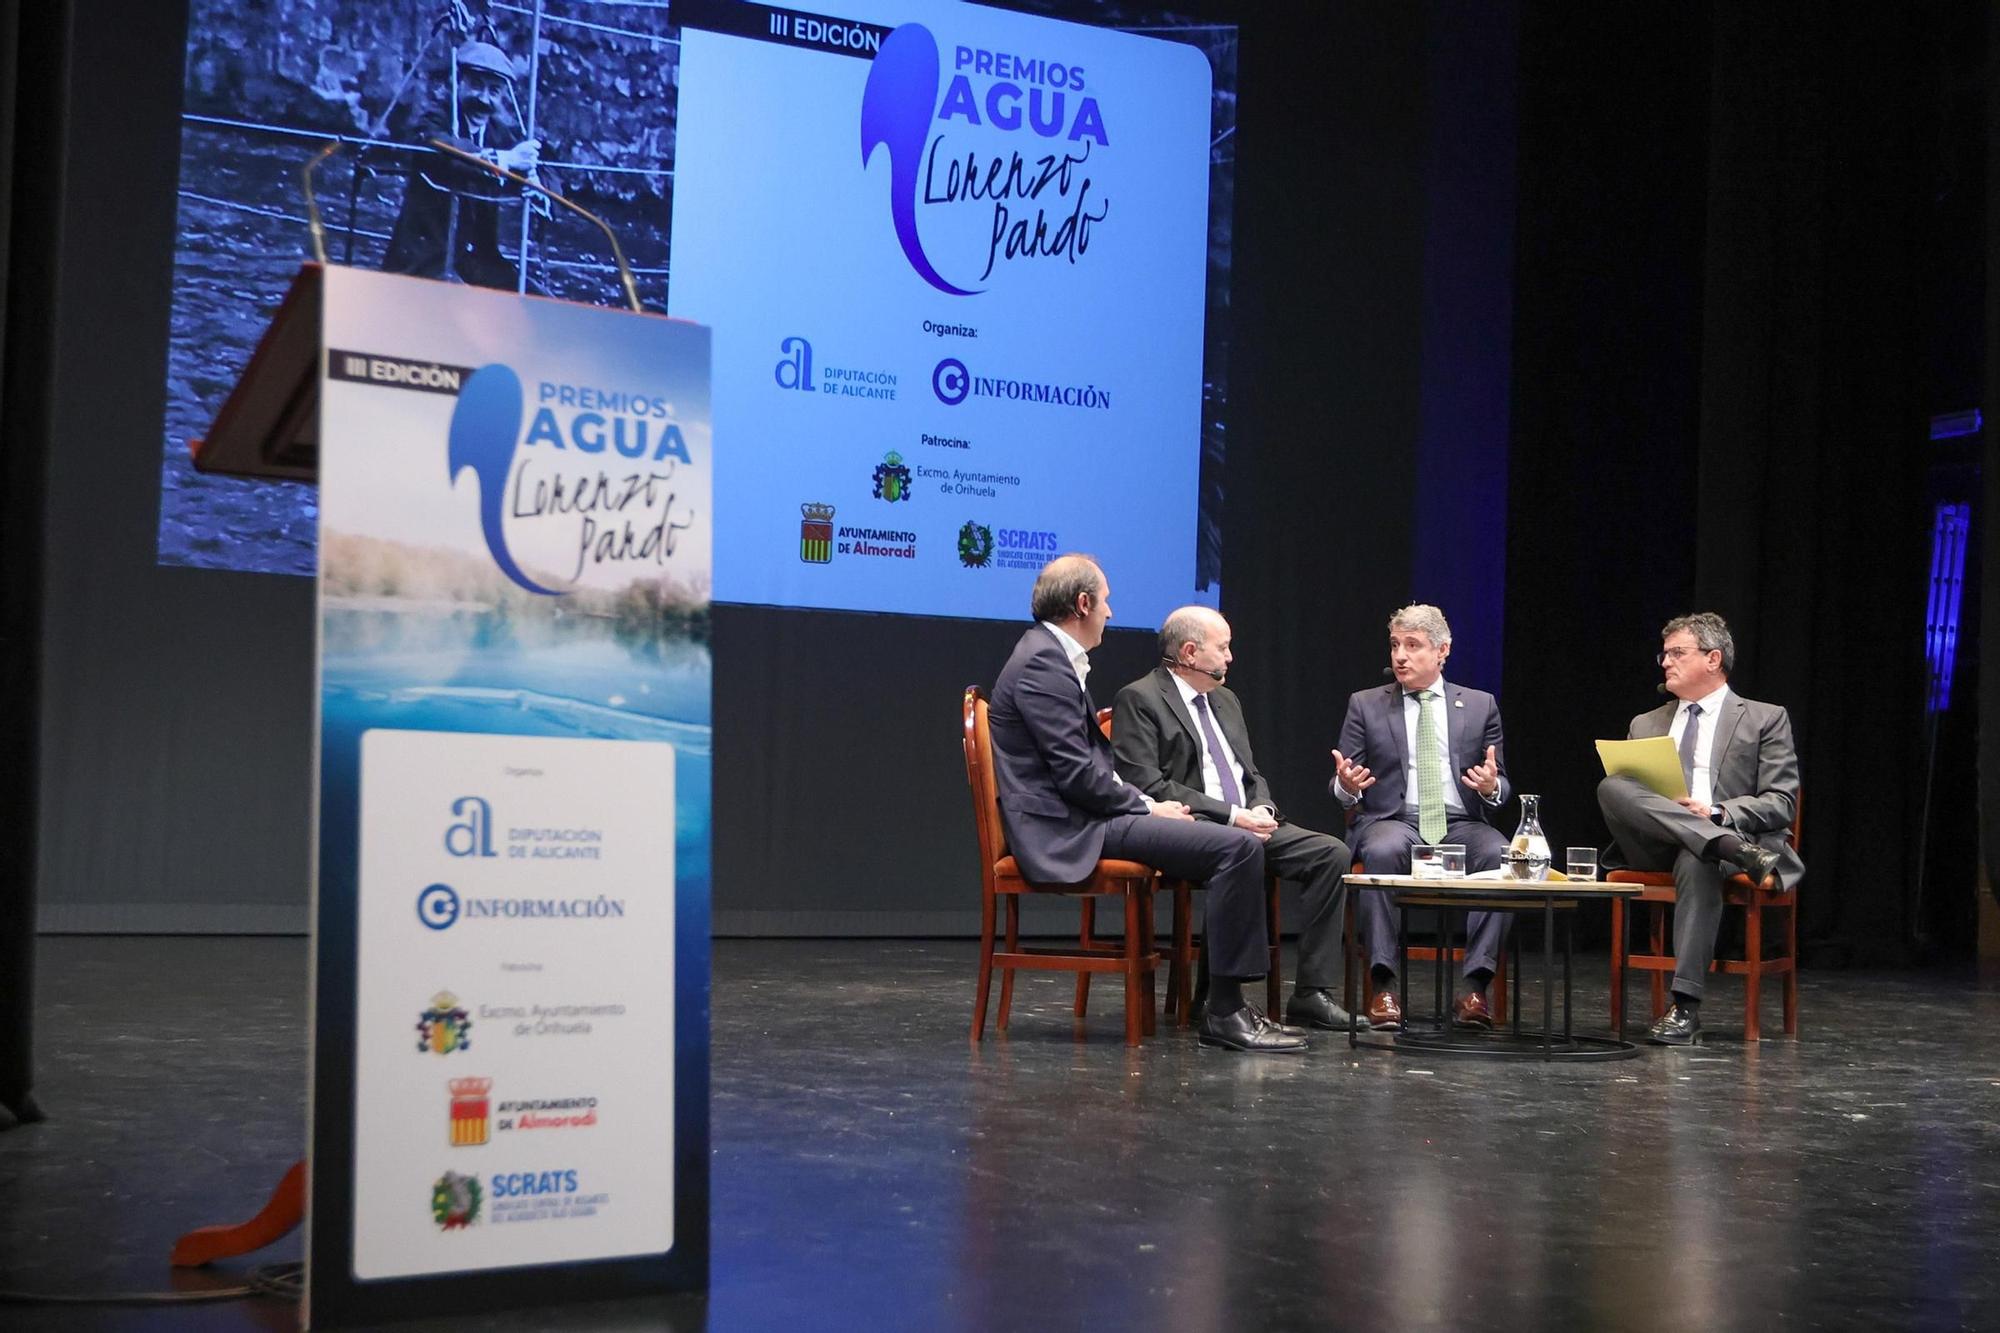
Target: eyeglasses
pixel 1676 654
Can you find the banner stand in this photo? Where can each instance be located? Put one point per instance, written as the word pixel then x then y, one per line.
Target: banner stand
pixel 509 1068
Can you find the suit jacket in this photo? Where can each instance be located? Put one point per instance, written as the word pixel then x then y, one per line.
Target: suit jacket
pixel 1052 765
pixel 1753 771
pixel 1374 735
pixel 1158 745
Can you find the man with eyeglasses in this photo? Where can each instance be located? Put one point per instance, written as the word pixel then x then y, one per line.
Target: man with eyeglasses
pixel 1742 775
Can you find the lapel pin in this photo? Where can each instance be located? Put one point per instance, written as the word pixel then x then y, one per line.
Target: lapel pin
pixel 1458 703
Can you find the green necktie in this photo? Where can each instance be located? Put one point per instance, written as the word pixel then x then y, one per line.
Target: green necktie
pixel 1430 778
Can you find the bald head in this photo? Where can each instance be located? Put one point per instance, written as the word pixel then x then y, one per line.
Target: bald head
pixel 1194 644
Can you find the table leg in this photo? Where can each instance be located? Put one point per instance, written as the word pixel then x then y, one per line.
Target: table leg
pixel 1548 976
pixel 1569 956
pixel 1403 964
pixel 1625 959
pixel 1514 944
pixel 1438 1010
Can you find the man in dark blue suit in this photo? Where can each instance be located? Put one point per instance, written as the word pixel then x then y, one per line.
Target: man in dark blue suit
pixel 1065 808
pixel 1423 761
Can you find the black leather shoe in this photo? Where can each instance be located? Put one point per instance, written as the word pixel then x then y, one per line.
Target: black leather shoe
pixel 1286 1028
pixel 1759 863
pixel 1678 1027
pixel 1248 1030
pixel 1314 1007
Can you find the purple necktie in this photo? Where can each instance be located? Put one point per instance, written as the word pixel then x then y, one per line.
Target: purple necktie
pixel 1689 733
pixel 1231 792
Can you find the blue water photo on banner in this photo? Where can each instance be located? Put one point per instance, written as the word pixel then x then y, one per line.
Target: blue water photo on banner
pixel 586 97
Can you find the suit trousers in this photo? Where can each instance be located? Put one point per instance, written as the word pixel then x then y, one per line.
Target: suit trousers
pixel 1315 862
pixel 1383 848
pixel 1659 834
pixel 1227 862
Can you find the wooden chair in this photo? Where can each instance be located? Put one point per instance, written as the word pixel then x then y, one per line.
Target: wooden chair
pixel 1184 950
pixel 1753 967
pixel 1000 877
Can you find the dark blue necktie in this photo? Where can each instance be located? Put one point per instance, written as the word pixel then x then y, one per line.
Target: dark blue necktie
pixel 1231 792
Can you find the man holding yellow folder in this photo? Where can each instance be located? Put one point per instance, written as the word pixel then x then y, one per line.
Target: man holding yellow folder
pixel 1740 775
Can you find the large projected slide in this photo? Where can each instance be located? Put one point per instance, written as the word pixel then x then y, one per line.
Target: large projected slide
pixel 967 265
pixel 957 294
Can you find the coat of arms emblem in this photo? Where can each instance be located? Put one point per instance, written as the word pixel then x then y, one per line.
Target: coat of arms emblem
pixel 892 478
pixel 445 1026
pixel 455 1201
pixel 816 534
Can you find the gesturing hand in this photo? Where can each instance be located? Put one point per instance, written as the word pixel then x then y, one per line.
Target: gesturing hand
pixel 1352 776
pixel 1484 778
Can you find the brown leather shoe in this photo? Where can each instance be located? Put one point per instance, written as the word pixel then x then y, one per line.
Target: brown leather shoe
pixel 1471 1012
pixel 1385 1011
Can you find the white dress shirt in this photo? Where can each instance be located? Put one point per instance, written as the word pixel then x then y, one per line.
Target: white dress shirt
pixel 1079 656
pixel 1440 717
pixel 1079 660
pixel 1701 786
pixel 1211 780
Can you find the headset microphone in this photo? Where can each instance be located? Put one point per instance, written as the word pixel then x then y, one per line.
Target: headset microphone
pixel 1216 676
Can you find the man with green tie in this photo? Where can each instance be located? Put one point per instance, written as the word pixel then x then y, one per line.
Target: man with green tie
pixel 1422 761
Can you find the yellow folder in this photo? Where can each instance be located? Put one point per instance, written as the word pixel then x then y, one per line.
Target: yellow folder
pixel 1653 761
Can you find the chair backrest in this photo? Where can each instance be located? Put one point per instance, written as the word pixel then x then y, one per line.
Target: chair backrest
pixel 1104 722
pixel 979 776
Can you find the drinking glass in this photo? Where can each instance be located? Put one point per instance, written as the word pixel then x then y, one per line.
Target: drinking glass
pixel 1580 862
pixel 1451 860
pixel 1424 862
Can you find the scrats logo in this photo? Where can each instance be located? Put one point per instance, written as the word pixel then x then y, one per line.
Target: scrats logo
pixel 598 463
pixel 1040 198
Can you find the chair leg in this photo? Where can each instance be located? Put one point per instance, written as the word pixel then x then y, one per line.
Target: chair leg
pixel 1274 976
pixel 985 966
pixel 1185 949
pixel 1149 952
pixel 1084 941
pixel 1175 976
pixel 1658 948
pixel 1500 991
pixel 1790 986
pixel 1753 979
pixel 1135 1015
pixel 1013 944
pixel 1617 965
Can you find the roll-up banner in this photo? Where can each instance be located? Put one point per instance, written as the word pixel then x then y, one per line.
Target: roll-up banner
pixel 510 1064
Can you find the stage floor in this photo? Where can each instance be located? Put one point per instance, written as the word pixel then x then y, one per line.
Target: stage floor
pixel 873 1170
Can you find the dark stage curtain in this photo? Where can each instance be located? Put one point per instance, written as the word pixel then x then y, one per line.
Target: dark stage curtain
pixel 1813 525
pixel 1989 620
pixel 31 74
pixel 1722 406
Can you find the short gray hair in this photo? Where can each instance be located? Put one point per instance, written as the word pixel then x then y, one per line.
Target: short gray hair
pixel 1061 582
pixel 1424 619
pixel 1187 625
pixel 1711 634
